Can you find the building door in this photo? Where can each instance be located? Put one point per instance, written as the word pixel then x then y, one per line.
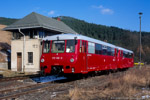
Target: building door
pixel 19 61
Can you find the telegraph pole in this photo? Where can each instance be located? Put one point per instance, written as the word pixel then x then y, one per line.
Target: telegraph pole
pixel 140 14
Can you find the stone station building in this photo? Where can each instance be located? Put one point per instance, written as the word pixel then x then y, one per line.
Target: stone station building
pixel 26 41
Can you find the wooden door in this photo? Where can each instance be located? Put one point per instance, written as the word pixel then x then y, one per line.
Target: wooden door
pixel 19 61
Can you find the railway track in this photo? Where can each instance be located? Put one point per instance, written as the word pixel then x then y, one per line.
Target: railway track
pixel 15 92
pixel 11 90
pixel 13 78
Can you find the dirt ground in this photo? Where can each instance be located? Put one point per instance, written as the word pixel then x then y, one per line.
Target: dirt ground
pixel 131 84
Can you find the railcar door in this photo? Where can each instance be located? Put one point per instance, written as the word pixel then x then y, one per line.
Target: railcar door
pixel 84 55
pixel 120 57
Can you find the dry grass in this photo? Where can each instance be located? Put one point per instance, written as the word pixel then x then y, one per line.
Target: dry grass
pixel 83 94
pixel 130 84
pixel 126 85
pixel 9 73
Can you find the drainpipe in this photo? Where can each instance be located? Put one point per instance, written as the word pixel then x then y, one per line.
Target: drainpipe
pixel 23 65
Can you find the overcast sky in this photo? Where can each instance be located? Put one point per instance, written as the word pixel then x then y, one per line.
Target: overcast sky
pixel 119 13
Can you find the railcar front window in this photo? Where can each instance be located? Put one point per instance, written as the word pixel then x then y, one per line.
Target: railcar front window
pixel 70 46
pixel 58 46
pixel 46 47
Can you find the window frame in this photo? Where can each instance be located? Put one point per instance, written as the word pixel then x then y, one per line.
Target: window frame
pixel 30 57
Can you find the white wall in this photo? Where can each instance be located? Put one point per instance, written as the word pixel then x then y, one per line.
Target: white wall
pixel 31 45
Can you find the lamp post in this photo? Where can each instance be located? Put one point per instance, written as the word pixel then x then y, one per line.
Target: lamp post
pixel 140 13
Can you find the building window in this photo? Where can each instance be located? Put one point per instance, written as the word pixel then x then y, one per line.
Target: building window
pixel 16 35
pixel 41 34
pixel 31 34
pixel 30 57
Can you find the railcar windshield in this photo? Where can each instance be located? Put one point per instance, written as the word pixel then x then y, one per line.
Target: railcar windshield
pixel 70 46
pixel 46 46
pixel 58 47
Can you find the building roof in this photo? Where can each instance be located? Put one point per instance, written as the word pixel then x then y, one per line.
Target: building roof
pixel 82 37
pixel 35 20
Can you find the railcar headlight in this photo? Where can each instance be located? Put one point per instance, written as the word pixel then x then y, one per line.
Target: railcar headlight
pixel 73 70
pixel 42 60
pixel 71 60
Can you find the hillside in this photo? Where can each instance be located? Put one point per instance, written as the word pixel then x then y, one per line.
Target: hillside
pixel 7 21
pixel 5 36
pixel 117 36
pixel 5 42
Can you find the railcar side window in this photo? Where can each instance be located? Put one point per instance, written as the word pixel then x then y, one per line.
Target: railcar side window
pixel 121 54
pixel 112 51
pixel 109 51
pixel 98 49
pixel 58 47
pixel 46 47
pixel 104 48
pixel 130 55
pixel 91 47
pixel 70 46
pixel 125 54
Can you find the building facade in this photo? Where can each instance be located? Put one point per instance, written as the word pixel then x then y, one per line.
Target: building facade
pixel 27 39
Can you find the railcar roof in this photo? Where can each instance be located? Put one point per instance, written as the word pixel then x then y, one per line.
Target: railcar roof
pixel 120 48
pixel 82 37
pixel 77 36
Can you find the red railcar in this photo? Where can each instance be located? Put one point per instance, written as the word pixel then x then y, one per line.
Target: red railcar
pixel 74 53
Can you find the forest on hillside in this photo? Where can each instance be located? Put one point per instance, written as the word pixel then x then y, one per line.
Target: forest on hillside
pixel 117 36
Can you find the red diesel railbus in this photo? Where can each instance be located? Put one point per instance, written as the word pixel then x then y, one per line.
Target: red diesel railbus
pixel 74 53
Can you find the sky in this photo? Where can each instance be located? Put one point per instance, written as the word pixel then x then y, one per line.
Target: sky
pixel 118 13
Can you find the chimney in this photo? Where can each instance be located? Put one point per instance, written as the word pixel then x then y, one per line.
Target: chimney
pixel 58 19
